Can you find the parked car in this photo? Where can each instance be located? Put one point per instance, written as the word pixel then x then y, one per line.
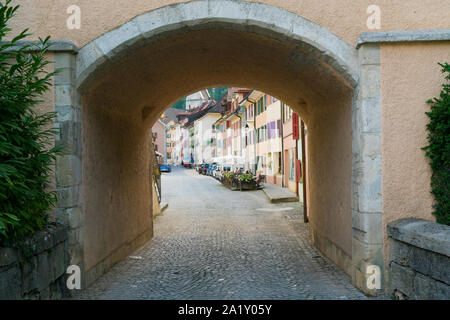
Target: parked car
pixel 216 171
pixel 211 169
pixel 165 167
pixel 204 169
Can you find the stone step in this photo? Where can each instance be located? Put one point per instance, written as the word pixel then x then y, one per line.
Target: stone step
pixel 277 194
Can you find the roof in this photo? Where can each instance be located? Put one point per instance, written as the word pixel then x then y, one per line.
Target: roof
pixel 171 114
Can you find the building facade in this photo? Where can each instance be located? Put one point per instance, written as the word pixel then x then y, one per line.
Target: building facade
pixel 246 130
pixel 160 140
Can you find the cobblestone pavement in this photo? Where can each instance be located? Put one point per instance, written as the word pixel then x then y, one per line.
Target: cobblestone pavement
pixel 213 243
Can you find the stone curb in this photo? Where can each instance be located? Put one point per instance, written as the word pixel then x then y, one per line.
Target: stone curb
pixel 279 199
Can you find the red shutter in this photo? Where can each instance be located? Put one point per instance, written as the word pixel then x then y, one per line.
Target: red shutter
pixel 298 170
pixel 295 126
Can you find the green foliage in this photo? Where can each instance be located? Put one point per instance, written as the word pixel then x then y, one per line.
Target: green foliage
pixel 438 149
pixel 181 105
pixel 26 151
pixel 228 175
pixel 246 178
pixel 218 93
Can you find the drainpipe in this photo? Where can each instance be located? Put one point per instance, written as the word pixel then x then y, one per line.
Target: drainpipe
pixel 305 201
pixel 283 183
pixel 165 143
pixel 255 157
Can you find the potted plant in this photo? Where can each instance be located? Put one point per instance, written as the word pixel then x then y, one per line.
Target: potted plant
pixel 247 182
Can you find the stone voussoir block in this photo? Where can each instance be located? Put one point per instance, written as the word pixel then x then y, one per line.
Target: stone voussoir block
pixel 370 82
pixel 63 94
pixel 67 113
pixel 369 54
pixel 68 197
pixel 68 170
pixel 363 252
pixel 64 60
pixel 114 41
pixel 88 59
pixel 369 226
pixel 70 137
pixel 64 76
pixel 370 114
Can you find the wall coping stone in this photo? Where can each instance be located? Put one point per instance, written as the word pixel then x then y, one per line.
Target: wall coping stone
pixel 365 37
pixel 421 233
pixel 55 46
pixel 41 241
pixel 403 36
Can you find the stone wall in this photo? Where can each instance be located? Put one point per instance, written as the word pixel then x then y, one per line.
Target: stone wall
pixel 419 261
pixel 38 270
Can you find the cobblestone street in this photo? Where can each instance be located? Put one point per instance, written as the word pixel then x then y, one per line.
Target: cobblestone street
pixel 213 243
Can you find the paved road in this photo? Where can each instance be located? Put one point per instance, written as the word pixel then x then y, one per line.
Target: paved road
pixel 212 243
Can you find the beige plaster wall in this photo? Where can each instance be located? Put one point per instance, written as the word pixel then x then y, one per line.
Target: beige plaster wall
pixel 345 18
pixel 116 190
pixel 410 75
pixel 329 176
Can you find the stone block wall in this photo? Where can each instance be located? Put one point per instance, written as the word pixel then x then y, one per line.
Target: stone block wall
pixel 419 260
pixel 38 271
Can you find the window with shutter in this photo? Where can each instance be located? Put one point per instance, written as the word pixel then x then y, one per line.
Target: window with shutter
pixel 295 126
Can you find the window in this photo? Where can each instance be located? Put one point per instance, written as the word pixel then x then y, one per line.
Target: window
pixel 273 130
pixel 287 112
pixel 291 165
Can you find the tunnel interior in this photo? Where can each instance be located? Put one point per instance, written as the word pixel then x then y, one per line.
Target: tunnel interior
pixel 124 97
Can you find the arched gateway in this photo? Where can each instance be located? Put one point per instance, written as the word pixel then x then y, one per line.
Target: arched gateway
pixel 109 92
pixel 125 79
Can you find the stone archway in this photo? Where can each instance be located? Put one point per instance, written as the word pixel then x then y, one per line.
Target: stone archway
pixel 125 78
